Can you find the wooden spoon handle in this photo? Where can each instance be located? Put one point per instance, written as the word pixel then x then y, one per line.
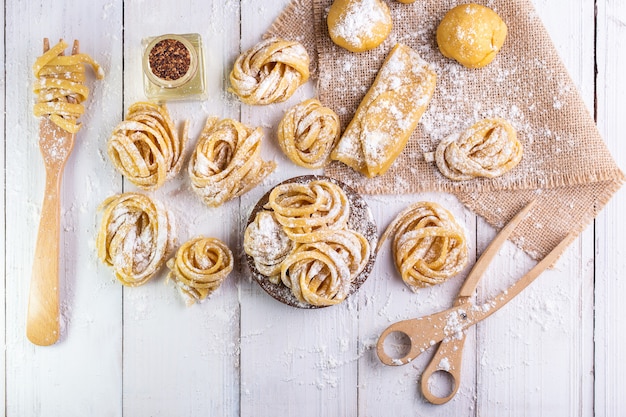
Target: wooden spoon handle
pixel 42 324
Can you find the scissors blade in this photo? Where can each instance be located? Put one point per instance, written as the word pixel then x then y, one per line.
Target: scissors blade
pixel 471 282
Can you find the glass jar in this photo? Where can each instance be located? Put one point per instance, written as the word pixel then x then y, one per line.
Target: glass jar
pixel 173 67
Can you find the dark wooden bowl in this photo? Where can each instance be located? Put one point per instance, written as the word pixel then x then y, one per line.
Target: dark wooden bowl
pixel 360 220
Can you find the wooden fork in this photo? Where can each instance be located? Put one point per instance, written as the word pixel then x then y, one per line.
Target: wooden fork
pixel 55 144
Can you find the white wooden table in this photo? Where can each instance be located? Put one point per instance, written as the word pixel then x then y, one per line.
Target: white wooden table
pixel 557 350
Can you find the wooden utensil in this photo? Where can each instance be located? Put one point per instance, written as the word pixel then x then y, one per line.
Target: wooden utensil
pixel 55 144
pixel 448 327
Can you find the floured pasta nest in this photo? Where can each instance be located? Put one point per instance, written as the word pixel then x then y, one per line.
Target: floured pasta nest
pixel 429 246
pixel 306 208
pixel 308 132
pixel 268 244
pixel 226 162
pixel 199 267
pixel 302 239
pixel 320 272
pixel 489 148
pixel 145 147
pixel 270 72
pixel 134 237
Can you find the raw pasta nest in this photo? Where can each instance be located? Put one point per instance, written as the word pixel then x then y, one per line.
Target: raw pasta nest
pixel 60 86
pixel 267 243
pixel 487 149
pixel 134 237
pixel 308 132
pixel 429 246
pixel 301 239
pixel 304 208
pixel 199 267
pixel 320 272
pixel 226 162
pixel 145 147
pixel 270 72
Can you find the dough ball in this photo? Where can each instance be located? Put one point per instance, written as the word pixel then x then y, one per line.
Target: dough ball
pixel 359 25
pixel 471 34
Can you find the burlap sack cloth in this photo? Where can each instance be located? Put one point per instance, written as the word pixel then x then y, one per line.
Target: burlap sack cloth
pixel 566 164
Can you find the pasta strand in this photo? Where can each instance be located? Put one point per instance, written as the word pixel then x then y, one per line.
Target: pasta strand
pixel 59 87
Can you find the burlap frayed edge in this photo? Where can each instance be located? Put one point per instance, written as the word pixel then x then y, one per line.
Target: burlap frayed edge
pixel 365 186
pixel 588 216
pixel 536 182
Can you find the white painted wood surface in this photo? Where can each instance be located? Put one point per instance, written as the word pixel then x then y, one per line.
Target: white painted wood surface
pixel 555 351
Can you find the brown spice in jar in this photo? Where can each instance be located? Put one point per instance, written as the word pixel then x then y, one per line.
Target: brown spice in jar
pixel 169 59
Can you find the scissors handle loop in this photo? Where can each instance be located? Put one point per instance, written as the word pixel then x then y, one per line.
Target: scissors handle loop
pixel 447 359
pixel 425 332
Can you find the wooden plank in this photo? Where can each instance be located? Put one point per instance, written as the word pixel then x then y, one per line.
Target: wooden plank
pixel 179 360
pixel 293 361
pixel 610 226
pixel 537 353
pixel 3 263
pixel 53 380
pixel 545 333
pixel 384 300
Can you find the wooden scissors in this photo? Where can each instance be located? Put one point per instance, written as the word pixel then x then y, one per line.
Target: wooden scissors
pixel 448 328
